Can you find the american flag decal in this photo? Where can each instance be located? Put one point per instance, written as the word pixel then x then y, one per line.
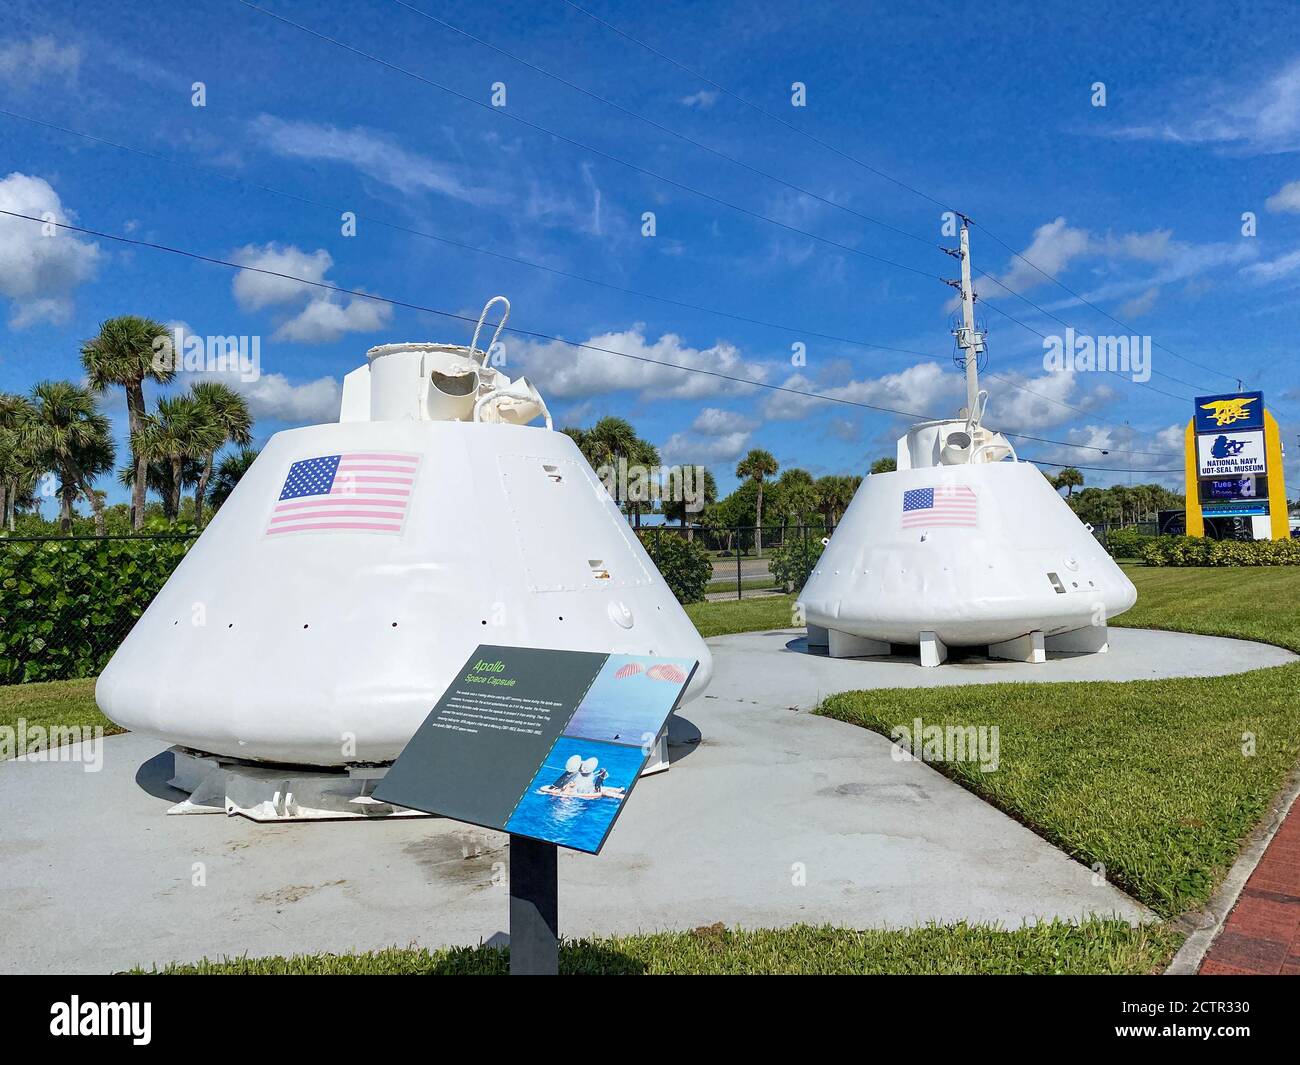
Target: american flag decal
pixel 949 504
pixel 353 492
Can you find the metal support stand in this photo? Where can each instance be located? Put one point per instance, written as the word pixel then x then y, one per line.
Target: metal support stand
pixel 534 908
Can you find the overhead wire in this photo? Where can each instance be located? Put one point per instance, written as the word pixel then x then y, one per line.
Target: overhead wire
pixel 532 334
pixel 517 260
pixel 849 157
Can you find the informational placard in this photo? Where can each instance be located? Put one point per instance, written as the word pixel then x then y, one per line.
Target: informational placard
pixel 1231 454
pixel 540 743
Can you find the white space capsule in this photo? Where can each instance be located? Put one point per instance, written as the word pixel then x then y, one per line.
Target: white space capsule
pixel 963 545
pixel 356 566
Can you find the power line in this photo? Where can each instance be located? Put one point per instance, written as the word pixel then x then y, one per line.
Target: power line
pixel 1098 469
pixel 299 198
pixel 588 148
pixel 1042 310
pixel 533 334
pixel 594 151
pixel 1143 384
pixel 873 170
pixel 1082 299
pixel 667 129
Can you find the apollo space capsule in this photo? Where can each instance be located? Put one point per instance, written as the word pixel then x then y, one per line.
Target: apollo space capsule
pixel 963 545
pixel 357 565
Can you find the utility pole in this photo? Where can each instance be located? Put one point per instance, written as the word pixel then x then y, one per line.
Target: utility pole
pixel 968 339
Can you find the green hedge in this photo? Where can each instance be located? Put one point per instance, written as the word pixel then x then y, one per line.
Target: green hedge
pixel 1203 551
pixel 792 562
pixel 66 605
pixel 684 563
pixel 1127 543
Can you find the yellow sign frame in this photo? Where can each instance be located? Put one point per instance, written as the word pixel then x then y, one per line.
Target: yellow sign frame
pixel 1279 523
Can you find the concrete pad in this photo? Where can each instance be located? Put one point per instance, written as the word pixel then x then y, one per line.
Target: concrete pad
pixel 1134 654
pixel 770 816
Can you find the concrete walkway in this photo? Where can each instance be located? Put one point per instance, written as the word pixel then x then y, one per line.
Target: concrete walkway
pixel 769 816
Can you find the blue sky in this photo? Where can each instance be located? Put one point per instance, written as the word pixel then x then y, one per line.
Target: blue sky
pixel 1136 206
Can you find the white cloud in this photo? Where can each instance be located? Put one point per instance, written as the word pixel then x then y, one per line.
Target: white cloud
pixel 1026 404
pixel 704 99
pixel 924 390
pixel 40 269
pixel 682 448
pixel 1056 245
pixel 1140 305
pixel 28 62
pixel 1287 198
pixel 324 316
pixel 272 397
pixel 714 421
pixel 1282 266
pixel 716 435
pixel 253 291
pixel 323 320
pixel 373 153
pixel 571 372
pixel 1263 119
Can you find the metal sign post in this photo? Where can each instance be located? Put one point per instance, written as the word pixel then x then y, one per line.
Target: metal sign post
pixel 534 908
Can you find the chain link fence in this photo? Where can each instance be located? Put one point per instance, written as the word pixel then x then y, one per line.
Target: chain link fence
pixel 751 560
pixel 66 603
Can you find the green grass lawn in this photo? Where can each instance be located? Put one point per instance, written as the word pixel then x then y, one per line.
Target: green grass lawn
pixel 1147 778
pixel 743 615
pixel 1093 947
pixel 1249 602
pixel 69 703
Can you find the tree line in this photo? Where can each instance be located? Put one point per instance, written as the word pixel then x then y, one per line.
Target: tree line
pixel 57 441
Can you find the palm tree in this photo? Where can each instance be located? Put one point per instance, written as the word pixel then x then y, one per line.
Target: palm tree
pixel 158 479
pixel 125 352
pixel 181 430
pixel 609 440
pixel 18 471
pixel 834 494
pixel 68 435
pixel 646 455
pixel 798 496
pixel 232 468
pixel 95 460
pixel 705 488
pixel 757 466
pixel 1069 479
pixel 229 413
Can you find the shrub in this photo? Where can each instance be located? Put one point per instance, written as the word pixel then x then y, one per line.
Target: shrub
pixel 1126 543
pixel 683 563
pixel 65 604
pixel 1202 551
pixel 793 561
